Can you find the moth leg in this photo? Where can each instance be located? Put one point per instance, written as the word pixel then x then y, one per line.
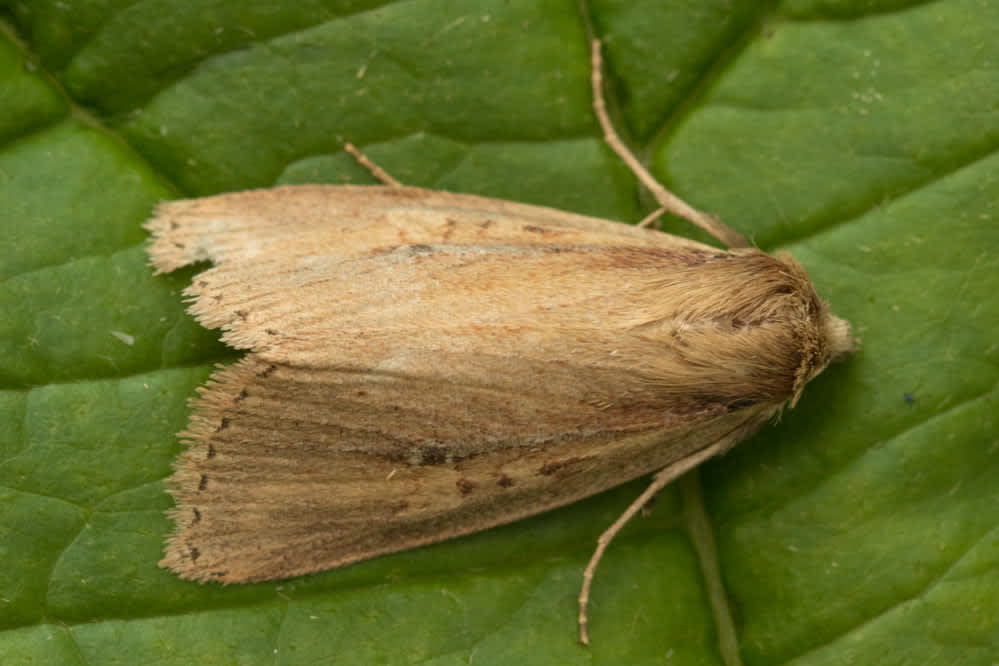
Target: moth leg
pixel 651 217
pixel 670 202
pixel 376 171
pixel 646 509
pixel 662 479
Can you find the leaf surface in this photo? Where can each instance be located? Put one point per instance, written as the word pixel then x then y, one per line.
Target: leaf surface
pixel 862 136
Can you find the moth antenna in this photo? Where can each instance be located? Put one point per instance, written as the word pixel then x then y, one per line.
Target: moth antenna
pixel 376 171
pixel 670 202
pixel 662 479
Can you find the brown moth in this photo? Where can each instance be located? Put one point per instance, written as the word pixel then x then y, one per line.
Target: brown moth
pixel 423 365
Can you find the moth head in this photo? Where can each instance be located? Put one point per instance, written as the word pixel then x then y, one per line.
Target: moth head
pixel 829 338
pixel 839 337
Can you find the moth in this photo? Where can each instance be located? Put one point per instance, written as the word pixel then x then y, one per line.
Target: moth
pixel 422 365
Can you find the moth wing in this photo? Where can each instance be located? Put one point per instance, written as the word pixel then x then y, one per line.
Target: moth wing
pixel 246 227
pixel 422 365
pixel 279 482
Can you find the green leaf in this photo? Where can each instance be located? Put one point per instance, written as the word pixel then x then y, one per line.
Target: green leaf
pixel 862 136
